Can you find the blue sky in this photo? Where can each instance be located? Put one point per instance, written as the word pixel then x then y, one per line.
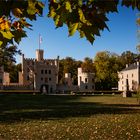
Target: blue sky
pixel 122 37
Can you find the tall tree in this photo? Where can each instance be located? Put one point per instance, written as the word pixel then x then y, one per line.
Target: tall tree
pixel 87 65
pixel 107 66
pixel 14 73
pixel 7 55
pixel 127 57
pixel 69 65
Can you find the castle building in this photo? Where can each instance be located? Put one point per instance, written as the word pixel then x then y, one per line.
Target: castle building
pixel 129 78
pixel 40 73
pixel 85 80
pixel 4 77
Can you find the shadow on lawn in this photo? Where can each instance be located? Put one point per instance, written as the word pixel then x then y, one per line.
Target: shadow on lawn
pixel 15 108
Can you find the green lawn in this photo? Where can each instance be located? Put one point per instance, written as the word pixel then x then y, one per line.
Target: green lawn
pixel 41 117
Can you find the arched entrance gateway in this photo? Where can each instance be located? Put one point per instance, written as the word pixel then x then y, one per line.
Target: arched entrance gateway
pixel 44 89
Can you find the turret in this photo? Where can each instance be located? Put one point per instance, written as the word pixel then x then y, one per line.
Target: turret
pixel 39 55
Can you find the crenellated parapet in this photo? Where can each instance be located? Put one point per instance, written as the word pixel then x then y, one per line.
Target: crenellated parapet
pixel 48 62
pixel 32 61
pixel 29 59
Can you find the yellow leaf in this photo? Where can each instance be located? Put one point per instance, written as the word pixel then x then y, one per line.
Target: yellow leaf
pixel 7 34
pixel 68 6
pixel 81 15
pixel 73 28
pixel 1 43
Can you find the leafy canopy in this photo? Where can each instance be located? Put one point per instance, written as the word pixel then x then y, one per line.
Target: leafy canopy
pixel 13 21
pixel 88 17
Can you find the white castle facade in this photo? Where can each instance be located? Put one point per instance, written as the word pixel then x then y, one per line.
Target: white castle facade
pixel 129 78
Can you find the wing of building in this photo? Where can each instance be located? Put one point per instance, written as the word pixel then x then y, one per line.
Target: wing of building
pixel 129 78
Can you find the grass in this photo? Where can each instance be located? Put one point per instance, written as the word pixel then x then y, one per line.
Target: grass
pixel 41 117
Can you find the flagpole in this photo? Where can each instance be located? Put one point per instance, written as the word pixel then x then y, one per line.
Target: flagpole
pixel 39 41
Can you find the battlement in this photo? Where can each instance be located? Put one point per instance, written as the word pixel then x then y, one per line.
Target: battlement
pixel 32 61
pixel 29 59
pixel 50 62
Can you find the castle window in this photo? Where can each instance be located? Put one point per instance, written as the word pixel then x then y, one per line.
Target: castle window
pixel 132 75
pixel 127 75
pixel 93 87
pixel 122 82
pixel 42 71
pixel 28 77
pixel 86 80
pixel 45 71
pixel 133 82
pixel 92 80
pixel 49 71
pixel 86 87
pixel 46 80
pixel 50 79
pixel 41 79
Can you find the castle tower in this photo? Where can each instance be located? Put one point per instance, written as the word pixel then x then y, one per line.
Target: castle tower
pixel 85 80
pixel 39 55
